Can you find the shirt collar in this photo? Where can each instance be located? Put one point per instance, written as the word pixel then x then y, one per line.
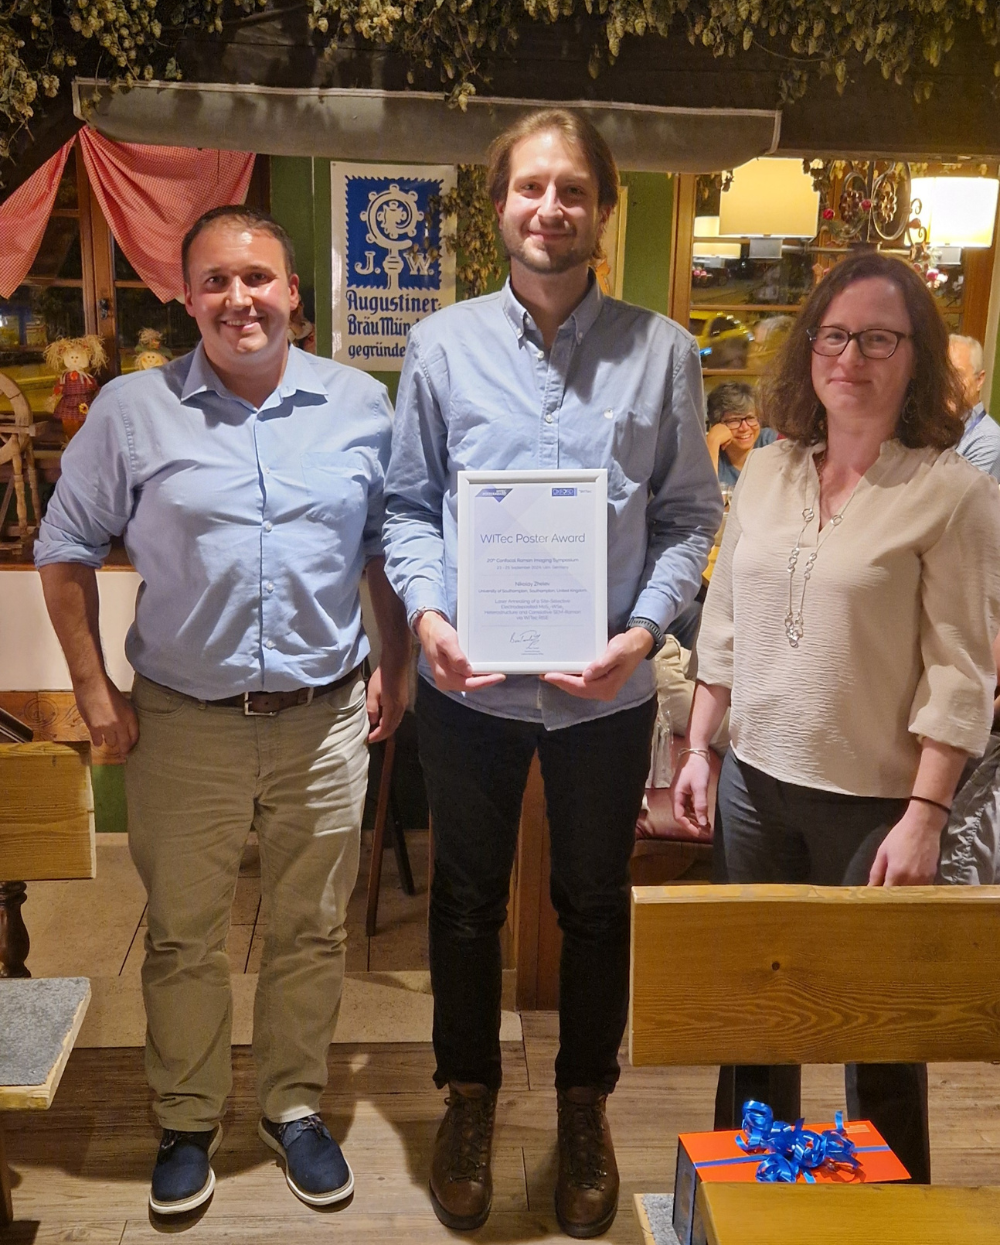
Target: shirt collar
pixel 299 377
pixel 977 412
pixel 581 318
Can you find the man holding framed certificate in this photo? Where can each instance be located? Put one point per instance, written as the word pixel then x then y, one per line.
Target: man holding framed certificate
pixel 549 487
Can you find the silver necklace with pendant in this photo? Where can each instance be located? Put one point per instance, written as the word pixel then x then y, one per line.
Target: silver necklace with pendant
pixel 794 628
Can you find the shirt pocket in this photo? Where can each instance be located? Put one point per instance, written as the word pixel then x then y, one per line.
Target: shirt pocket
pixel 337 483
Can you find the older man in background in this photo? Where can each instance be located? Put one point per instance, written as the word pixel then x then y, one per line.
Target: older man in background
pixel 980 442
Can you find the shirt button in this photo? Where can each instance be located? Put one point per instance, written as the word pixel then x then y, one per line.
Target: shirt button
pixel 269 644
pixel 268 525
pixel 269 586
pixel 267 471
pixel 540 354
pixel 579 338
pixel 609 413
pixel 548 419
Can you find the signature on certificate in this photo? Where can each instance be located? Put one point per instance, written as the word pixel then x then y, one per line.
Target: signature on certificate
pixel 531 641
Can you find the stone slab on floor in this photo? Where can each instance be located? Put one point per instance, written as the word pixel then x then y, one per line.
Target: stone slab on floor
pixel 659 1208
pixel 36 1016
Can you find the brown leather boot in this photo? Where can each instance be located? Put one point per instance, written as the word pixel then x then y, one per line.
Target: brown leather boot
pixel 587 1187
pixel 461 1178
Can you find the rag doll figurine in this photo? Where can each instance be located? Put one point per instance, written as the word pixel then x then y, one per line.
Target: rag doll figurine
pixel 151 352
pixel 75 358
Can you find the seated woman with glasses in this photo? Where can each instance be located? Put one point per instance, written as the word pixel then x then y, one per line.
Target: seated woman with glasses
pixel 849 625
pixel 734 429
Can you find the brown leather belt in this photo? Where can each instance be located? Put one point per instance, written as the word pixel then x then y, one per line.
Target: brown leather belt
pixel 267 704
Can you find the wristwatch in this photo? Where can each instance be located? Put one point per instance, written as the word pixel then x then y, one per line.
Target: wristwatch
pixel 654 629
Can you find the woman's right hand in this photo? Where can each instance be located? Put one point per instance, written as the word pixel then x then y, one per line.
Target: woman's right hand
pixel 719 437
pixel 691 794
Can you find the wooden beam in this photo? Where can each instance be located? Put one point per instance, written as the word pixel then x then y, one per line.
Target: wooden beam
pixel 801 974
pixel 829 1214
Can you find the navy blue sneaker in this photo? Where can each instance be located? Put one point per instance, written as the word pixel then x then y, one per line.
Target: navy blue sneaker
pixel 315 1167
pixel 183 1178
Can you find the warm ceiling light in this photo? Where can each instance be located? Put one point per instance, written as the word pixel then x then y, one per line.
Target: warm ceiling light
pixel 708 227
pixel 956 211
pixel 770 198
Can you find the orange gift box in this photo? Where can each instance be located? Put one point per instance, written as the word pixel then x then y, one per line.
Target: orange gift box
pixel 717 1157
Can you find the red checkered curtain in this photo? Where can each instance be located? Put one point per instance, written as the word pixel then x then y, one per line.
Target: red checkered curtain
pixel 151 196
pixel 23 217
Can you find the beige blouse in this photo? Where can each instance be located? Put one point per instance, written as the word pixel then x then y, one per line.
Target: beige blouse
pixel 898 618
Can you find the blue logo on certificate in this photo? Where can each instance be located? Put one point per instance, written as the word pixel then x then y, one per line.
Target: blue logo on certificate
pixel 564 492
pixel 498 493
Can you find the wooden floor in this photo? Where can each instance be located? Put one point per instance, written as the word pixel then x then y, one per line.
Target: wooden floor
pixel 81 1170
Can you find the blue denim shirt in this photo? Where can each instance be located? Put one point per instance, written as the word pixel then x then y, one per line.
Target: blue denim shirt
pixel 250 528
pixel 620 388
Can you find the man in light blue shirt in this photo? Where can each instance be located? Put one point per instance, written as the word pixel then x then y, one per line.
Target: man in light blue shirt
pixel 980 442
pixel 546 374
pixel 247 480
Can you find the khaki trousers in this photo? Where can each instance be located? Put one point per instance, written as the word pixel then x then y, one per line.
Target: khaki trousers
pixel 199 779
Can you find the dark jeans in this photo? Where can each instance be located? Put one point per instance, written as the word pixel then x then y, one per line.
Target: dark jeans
pixel 476 768
pixel 775 831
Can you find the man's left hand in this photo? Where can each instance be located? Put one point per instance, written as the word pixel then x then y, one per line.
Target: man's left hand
pixel 604 679
pixel 387 697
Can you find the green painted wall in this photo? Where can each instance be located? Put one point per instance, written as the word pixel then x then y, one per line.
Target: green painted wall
pixel 108 781
pixel 300 200
pixel 648 233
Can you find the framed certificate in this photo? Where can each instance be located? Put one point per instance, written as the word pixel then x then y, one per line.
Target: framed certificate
pixel 532 569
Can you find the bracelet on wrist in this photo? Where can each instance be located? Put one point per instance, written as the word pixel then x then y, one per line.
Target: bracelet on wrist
pixel 923 799
pixel 698 752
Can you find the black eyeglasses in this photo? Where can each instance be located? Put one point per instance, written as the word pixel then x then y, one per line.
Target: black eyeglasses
pixel 873 343
pixel 733 422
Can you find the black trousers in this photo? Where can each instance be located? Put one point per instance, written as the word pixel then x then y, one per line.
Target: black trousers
pixel 476 768
pixel 774 831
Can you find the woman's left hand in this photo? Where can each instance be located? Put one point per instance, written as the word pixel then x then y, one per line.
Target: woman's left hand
pixel 909 853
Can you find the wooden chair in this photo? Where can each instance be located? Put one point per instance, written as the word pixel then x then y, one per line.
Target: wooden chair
pixel 16 449
pixel 732 975
pixel 39 1023
pixel 387 821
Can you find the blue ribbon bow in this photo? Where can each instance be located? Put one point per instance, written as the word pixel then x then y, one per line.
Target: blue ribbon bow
pixel 791 1148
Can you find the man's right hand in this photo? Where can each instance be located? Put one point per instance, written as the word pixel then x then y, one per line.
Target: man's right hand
pixel 449 665
pixel 108 716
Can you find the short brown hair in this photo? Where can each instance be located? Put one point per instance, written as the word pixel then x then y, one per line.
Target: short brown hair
pixel 932 411
pixel 249 218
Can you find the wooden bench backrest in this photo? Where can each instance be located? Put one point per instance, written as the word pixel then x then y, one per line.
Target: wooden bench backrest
pixel 802 974
pixel 46 812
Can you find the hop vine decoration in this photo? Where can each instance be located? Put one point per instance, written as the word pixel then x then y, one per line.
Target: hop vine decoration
pixel 475 245
pixel 126 41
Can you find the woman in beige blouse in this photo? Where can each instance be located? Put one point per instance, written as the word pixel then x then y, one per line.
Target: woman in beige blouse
pixel 848 626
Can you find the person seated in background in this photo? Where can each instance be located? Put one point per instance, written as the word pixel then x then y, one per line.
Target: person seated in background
pixel 980 442
pixel 734 429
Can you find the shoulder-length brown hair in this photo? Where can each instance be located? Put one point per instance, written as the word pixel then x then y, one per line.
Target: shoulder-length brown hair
pixel 934 406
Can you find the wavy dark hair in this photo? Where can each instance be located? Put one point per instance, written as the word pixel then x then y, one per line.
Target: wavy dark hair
pixel 934 404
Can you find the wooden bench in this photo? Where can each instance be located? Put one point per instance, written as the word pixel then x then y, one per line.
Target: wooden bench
pixel 46 831
pixel 39 1023
pixel 801 974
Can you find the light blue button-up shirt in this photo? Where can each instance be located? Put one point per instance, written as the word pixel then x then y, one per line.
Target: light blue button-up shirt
pixel 620 388
pixel 250 527
pixel 980 442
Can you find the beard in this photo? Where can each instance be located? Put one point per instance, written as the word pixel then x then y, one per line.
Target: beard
pixel 580 251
